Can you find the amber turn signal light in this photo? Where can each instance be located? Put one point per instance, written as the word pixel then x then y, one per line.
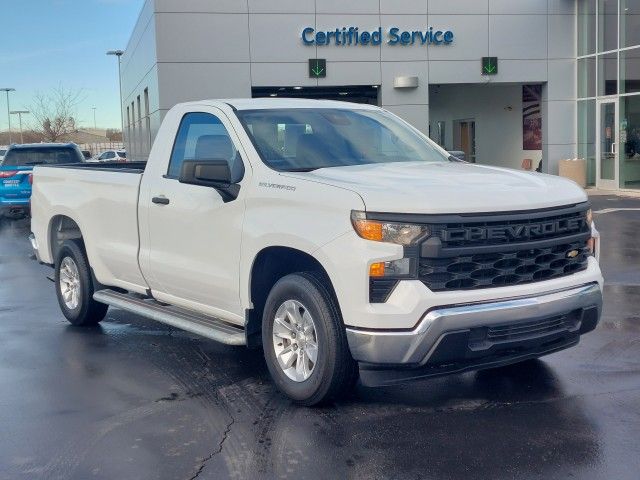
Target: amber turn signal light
pixel 376 269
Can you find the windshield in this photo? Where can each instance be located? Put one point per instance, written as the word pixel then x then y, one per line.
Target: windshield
pixel 304 139
pixel 40 155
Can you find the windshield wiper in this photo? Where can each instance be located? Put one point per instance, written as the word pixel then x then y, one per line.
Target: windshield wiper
pixel 302 169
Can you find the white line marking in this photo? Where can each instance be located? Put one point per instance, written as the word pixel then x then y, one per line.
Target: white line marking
pixel 609 210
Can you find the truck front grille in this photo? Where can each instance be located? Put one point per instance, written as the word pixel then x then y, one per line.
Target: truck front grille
pixel 504 249
pixel 487 270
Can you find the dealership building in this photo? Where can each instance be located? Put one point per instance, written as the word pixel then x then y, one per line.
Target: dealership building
pixel 512 83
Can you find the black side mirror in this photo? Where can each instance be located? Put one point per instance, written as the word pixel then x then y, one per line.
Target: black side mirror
pixel 211 173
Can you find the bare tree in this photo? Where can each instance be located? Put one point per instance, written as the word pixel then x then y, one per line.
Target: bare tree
pixel 114 135
pixel 54 113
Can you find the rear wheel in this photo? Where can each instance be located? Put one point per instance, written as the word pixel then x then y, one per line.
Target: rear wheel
pixel 74 286
pixel 304 341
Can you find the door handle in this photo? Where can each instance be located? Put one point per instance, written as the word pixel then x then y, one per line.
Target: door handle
pixel 160 200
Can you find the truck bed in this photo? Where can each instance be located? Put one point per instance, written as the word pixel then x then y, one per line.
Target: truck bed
pixel 102 200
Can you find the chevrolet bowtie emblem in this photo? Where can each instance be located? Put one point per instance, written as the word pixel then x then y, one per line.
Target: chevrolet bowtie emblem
pixel 572 253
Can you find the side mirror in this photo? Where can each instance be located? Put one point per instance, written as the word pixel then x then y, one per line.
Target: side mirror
pixel 213 173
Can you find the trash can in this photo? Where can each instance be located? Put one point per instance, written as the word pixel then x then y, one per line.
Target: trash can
pixel 574 169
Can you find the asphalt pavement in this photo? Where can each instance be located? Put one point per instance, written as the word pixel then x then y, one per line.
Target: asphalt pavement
pixel 134 399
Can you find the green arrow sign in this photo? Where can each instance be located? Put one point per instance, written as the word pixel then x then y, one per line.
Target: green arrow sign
pixel 489 65
pixel 317 67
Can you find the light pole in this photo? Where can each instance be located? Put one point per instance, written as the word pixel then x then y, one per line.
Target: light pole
pixel 94 118
pixel 119 53
pixel 8 108
pixel 20 113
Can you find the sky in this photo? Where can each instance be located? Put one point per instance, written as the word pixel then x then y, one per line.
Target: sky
pixel 47 43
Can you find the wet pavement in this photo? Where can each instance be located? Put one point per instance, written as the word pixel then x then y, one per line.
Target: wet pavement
pixel 133 399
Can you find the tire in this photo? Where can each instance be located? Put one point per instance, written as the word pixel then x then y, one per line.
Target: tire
pixel 334 371
pixel 72 268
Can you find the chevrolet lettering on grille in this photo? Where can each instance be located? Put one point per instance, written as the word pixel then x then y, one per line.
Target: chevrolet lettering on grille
pixel 514 232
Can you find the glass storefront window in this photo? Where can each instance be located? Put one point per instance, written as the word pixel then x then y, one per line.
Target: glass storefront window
pixel 630 71
pixel 586 27
pixel 629 23
pixel 587 137
pixel 607 25
pixel 630 142
pixel 587 77
pixel 608 74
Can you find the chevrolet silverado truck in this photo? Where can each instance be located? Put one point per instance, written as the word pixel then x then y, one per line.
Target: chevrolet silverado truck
pixel 336 237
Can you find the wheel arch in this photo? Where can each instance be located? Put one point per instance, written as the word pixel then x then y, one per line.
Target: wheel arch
pixel 62 227
pixel 269 265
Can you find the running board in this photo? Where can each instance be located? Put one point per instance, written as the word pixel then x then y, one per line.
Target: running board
pixel 209 327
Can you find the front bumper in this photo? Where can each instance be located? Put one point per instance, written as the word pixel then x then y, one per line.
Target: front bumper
pixel 478 335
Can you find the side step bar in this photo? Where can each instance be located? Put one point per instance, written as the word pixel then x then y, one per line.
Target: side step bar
pixel 209 327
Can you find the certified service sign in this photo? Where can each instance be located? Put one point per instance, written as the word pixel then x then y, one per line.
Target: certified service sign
pixel 347 36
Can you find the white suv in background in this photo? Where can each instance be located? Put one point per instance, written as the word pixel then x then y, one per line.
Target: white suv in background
pixel 112 156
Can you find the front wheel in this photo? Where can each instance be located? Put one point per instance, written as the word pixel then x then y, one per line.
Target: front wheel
pixel 74 286
pixel 304 340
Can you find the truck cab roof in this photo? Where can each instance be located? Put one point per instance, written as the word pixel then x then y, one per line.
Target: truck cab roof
pixel 271 103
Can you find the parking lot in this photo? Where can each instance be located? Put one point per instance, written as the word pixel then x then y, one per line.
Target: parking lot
pixel 137 399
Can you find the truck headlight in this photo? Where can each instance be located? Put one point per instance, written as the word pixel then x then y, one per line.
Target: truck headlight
pixel 390 232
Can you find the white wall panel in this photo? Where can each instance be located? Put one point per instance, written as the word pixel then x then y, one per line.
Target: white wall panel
pixel 562 36
pixel 403 6
pixel 202 6
pixel 469 41
pixel 518 36
pixel 522 7
pixel 281 6
pixel 276 38
pixel 458 7
pixel 194 37
pixel 184 82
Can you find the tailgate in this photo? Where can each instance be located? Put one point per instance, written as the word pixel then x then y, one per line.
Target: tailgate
pixel 15 184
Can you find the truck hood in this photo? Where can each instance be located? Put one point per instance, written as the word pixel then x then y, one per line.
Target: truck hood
pixel 418 187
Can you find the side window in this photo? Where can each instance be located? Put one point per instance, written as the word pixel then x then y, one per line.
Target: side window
pixel 109 155
pixel 103 156
pixel 202 137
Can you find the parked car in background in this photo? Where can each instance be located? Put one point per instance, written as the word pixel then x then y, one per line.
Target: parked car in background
pixel 17 165
pixel 113 156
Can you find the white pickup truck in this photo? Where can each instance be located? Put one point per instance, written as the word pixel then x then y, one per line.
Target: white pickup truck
pixel 335 236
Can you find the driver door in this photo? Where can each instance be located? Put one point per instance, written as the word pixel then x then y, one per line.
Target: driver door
pixel 194 235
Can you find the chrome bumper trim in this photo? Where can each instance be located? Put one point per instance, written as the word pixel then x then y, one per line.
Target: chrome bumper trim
pixel 414 347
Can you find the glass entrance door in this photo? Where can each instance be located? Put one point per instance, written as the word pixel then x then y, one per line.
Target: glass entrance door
pixel 607 154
